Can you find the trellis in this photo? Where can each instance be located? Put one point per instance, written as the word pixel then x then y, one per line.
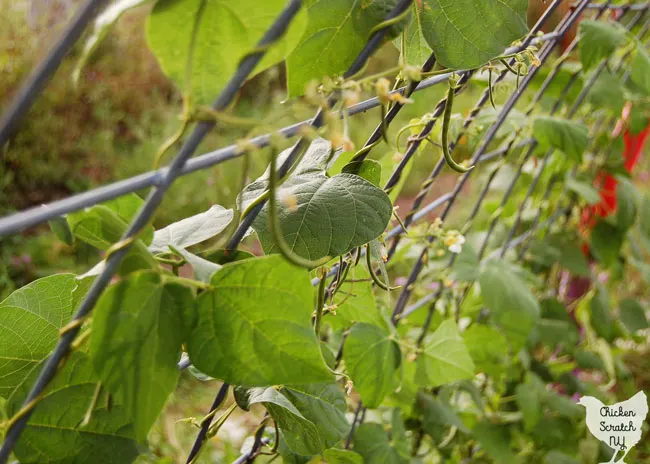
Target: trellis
pixel 184 163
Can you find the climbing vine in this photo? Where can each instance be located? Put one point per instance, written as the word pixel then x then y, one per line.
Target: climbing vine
pixel 365 335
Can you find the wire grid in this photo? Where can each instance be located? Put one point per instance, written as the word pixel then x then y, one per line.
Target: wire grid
pixel 162 179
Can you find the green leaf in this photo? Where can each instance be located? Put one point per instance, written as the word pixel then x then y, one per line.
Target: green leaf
pixel 640 75
pixel 255 323
pixel 340 456
pixel 398 437
pixel 437 415
pixel 607 92
pixel 586 191
pixel 331 215
pixel 558 457
pixel 456 29
pixel 371 442
pixel 488 349
pixel 563 405
pixel 606 242
pixel 371 357
pixel 299 409
pixel 192 230
pixel 495 440
pixel 626 208
pixel 467 265
pixel 55 433
pixel 514 308
pixel 203 269
pixel 567 136
pixel 101 27
pixel 644 220
pixel 356 300
pixel 138 327
pixel 553 432
pixel 633 315
pixel 366 169
pixel 416 48
pixel 572 258
pixel 445 358
pixel 552 333
pixel 101 227
pixel 599 40
pixel 298 433
pixel 337 31
pixel 528 402
pixel 127 207
pixel 30 319
pixel 601 315
pixel 324 405
pixel 61 229
pixel 224 32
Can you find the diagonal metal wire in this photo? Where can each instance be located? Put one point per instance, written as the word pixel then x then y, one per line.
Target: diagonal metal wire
pixel 303 143
pixel 299 148
pixel 432 297
pixel 491 133
pixel 31 217
pixel 35 83
pixel 182 165
pixel 275 32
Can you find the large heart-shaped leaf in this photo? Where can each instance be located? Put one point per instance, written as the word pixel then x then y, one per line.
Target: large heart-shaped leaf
pixel 192 230
pixel 254 327
pixel 445 357
pixel 514 308
pixel 216 35
pixel 30 319
pixel 138 327
pixel 466 34
pixel 371 357
pixel 56 434
pixel 319 215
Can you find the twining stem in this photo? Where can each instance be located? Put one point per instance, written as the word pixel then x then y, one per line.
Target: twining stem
pixel 320 301
pixel 491 90
pixel 446 121
pixel 374 277
pixel 275 228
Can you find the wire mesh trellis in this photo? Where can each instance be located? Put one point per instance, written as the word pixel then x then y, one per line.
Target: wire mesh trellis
pixel 160 180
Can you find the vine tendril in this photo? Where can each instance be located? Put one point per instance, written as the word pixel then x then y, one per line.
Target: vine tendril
pixel 446 121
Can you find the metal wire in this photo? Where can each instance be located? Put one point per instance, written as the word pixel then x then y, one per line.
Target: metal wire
pixel 511 243
pixel 275 32
pixel 44 71
pixel 31 217
pixel 162 179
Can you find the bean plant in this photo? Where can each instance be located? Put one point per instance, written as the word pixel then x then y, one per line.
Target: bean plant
pixel 363 333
